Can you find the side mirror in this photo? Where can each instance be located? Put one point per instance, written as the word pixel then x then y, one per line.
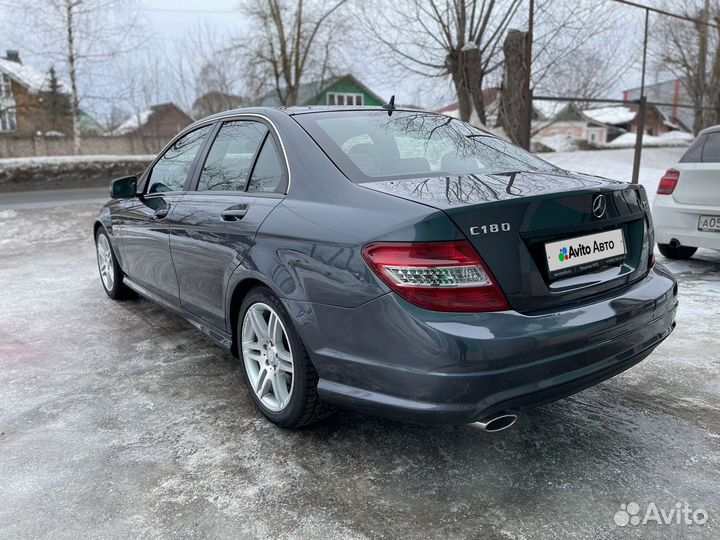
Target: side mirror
pixel 123 188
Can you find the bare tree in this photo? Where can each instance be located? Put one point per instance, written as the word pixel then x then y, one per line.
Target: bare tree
pixel 459 39
pixel 577 52
pixel 143 83
pixel 292 43
pixel 79 34
pixel 579 48
pixel 691 52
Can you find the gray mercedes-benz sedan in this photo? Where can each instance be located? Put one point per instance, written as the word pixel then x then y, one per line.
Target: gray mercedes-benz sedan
pixel 397 262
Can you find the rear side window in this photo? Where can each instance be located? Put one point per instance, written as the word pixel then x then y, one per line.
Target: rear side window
pixel 694 153
pixel 268 176
pixel 231 157
pixel 171 172
pixel 711 150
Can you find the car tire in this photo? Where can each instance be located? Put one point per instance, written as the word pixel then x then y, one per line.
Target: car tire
pixel 679 252
pixel 111 275
pixel 267 339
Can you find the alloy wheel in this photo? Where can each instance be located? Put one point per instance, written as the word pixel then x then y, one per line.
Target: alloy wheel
pixel 267 356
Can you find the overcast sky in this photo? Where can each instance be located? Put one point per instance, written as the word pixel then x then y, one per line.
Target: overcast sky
pixel 169 21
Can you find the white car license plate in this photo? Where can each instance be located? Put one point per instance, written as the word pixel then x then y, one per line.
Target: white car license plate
pixel 709 223
pixel 584 253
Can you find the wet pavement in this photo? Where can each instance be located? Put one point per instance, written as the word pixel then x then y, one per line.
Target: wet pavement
pixel 120 420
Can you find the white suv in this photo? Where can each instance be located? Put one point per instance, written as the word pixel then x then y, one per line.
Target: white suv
pixel 686 211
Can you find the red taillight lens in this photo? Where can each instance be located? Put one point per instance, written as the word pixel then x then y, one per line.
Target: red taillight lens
pixel 441 276
pixel 668 182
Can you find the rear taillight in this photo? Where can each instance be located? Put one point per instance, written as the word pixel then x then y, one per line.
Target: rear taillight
pixel 668 182
pixel 441 276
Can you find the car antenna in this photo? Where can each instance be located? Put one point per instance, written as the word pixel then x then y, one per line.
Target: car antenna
pixel 390 107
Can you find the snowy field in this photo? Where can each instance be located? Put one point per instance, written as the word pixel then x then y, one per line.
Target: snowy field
pixel 618 164
pixel 121 420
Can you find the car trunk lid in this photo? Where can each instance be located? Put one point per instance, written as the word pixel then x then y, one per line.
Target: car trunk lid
pixel 699 183
pixel 517 221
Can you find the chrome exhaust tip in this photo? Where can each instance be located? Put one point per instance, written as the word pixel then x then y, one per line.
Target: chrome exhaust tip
pixel 675 243
pixel 496 423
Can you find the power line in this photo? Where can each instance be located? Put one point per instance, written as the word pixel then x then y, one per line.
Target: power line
pixel 172 10
pixel 668 13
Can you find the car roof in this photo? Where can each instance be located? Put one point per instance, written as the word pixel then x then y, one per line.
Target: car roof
pixel 711 129
pixel 295 110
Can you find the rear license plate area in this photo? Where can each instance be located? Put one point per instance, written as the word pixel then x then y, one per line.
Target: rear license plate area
pixel 709 223
pixel 585 253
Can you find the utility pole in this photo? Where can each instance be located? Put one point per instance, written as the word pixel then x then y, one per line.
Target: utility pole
pixel 528 77
pixel 642 103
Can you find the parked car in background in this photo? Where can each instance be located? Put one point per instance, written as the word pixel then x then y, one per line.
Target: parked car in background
pixel 396 262
pixel 686 210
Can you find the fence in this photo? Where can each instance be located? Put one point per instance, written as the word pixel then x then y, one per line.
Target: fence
pixel 11 146
pixel 642 101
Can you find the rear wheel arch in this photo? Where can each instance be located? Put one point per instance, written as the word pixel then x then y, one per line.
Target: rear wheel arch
pixel 239 293
pixel 96 226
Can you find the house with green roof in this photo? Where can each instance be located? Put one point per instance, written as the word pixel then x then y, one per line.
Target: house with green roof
pixel 342 90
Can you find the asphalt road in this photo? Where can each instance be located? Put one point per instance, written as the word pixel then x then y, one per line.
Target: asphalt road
pixel 49 198
pixel 119 420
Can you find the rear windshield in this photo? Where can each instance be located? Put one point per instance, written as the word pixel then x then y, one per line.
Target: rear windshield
pixel 694 153
pixel 372 146
pixel 705 149
pixel 711 150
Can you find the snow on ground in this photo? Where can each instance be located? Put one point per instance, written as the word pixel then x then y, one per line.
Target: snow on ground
pixel 559 142
pixel 618 164
pixel 51 160
pixel 120 419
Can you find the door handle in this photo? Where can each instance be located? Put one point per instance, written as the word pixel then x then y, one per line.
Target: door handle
pixel 234 213
pixel 161 213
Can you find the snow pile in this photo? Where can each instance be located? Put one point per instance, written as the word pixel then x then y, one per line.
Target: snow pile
pixel 136 121
pixel 34 80
pixel 56 160
pixel 611 115
pixel 23 174
pixel 671 138
pixel 679 136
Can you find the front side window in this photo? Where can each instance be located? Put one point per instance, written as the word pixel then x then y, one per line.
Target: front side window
pixel 231 157
pixel 372 146
pixel 172 170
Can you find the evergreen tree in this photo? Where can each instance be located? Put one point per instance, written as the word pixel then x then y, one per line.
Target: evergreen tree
pixel 57 105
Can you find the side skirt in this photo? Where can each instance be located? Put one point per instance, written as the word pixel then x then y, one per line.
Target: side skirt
pixel 221 338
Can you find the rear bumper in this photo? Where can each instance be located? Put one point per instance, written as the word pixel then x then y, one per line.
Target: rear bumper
pixel 393 359
pixel 680 221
